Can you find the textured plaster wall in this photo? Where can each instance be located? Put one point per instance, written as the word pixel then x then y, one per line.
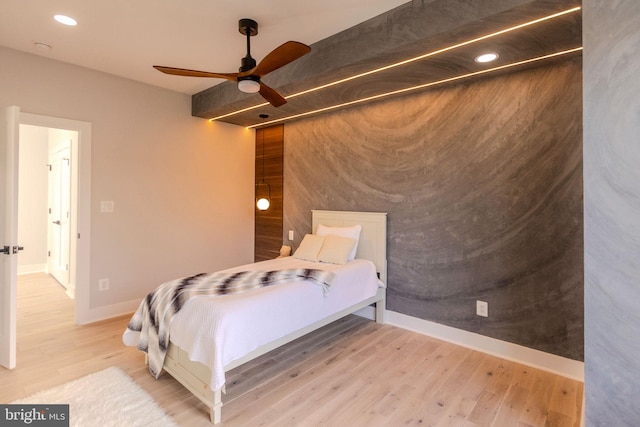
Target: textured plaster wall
pixel 612 212
pixel 482 183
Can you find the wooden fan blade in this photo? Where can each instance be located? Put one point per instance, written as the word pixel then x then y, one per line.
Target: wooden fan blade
pixel 271 95
pixel 280 56
pixel 195 73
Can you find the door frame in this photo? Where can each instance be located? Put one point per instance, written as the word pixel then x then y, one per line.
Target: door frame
pixel 9 218
pixel 80 227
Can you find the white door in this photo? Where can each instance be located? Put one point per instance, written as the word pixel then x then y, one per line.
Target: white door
pixel 59 214
pixel 9 136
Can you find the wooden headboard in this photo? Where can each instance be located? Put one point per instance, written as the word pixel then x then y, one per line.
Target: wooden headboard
pixel 373 237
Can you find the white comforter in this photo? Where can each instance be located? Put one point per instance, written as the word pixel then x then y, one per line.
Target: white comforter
pixel 218 330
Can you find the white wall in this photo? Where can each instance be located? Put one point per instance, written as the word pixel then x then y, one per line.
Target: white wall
pixel 32 198
pixel 182 186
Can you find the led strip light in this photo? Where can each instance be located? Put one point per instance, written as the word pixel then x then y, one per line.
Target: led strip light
pixel 407 61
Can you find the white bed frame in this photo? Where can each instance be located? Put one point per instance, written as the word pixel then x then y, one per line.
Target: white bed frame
pixel 372 246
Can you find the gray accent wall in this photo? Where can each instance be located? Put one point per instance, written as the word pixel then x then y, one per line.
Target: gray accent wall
pixel 612 211
pixel 482 183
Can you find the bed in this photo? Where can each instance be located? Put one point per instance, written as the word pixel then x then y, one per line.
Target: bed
pixel 210 336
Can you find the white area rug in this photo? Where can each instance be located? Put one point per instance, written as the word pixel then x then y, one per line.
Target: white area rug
pixel 105 398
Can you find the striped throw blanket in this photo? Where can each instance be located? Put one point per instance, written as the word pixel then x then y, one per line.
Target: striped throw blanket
pixel 154 315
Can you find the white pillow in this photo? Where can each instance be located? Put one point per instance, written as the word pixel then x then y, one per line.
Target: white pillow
pixel 336 249
pixel 309 247
pixel 352 232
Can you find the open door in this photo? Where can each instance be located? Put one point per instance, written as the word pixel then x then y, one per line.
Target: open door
pixel 59 214
pixel 9 137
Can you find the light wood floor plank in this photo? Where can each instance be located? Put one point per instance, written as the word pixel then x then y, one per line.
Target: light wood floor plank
pixel 353 372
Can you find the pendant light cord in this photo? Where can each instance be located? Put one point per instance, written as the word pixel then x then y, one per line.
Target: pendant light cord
pixel 263 117
pixel 262 155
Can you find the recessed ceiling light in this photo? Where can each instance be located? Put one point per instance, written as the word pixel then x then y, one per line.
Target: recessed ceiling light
pixel 486 57
pixel 66 20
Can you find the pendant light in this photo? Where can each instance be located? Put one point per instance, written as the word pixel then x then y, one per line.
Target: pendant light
pixel 263 195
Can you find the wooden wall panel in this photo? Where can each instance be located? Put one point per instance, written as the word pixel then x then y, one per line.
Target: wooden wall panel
pixel 268 231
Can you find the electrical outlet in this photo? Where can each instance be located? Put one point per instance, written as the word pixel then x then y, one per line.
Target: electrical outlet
pixel 290 234
pixel 482 308
pixel 103 285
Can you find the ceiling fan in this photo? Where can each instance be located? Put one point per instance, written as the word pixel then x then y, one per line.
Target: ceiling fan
pixel 249 75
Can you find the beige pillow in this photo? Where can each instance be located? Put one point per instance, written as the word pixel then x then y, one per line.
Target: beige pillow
pixel 352 232
pixel 309 247
pixel 336 249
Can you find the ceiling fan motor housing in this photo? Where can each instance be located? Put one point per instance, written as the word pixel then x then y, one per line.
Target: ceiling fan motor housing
pixel 248 63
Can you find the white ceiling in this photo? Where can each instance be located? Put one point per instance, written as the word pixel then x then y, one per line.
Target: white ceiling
pixel 128 37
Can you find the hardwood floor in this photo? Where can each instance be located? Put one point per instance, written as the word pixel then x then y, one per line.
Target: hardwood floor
pixel 353 372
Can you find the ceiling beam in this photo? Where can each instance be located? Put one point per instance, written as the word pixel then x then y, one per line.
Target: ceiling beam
pixel 409 30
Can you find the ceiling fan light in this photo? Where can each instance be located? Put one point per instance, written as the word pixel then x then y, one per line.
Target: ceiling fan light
pixel 248 86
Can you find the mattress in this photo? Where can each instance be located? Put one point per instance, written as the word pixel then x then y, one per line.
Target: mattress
pixel 217 330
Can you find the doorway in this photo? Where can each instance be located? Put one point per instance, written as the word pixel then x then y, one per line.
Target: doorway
pixel 79 226
pixel 80 200
pixel 45 211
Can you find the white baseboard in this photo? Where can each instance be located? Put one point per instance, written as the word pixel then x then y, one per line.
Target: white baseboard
pixel 33 268
pixel 516 353
pixel 97 314
pixel 71 291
